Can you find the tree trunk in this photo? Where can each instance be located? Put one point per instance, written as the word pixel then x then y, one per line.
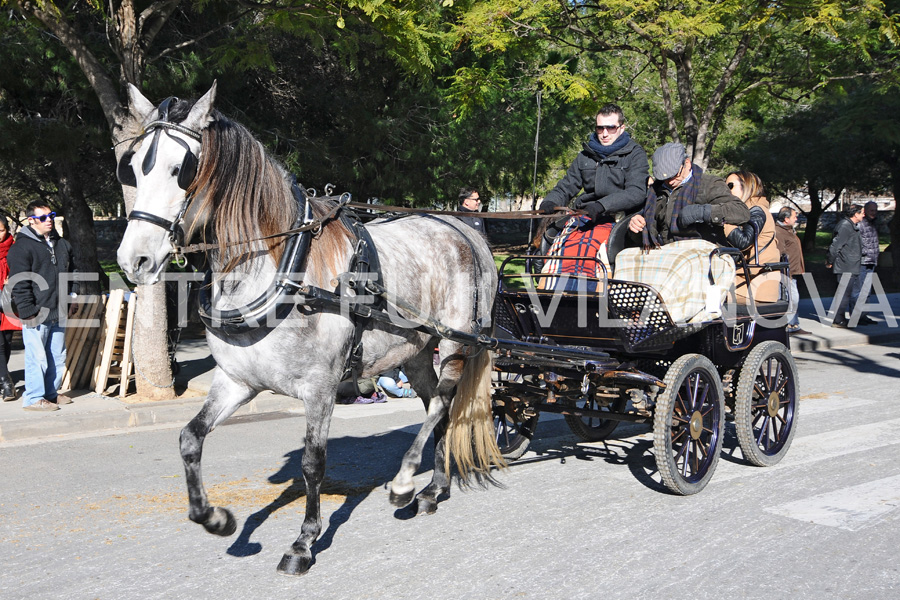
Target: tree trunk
pixel 79 220
pixel 152 370
pixel 812 218
pixel 150 350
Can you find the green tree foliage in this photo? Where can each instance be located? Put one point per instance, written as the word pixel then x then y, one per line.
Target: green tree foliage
pixel 708 56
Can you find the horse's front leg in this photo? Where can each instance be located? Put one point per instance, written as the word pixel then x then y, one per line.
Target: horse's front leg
pixel 225 396
pixel 319 407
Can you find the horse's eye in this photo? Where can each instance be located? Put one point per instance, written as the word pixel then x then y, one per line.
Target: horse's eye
pixel 175 171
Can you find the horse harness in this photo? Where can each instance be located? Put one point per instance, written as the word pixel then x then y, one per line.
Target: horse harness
pixel 186 172
pixel 363 275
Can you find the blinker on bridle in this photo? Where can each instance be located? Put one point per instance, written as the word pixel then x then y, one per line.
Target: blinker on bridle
pixel 186 173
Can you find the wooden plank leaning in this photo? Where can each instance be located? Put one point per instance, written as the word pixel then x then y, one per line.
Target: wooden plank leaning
pixel 107 340
pixel 126 360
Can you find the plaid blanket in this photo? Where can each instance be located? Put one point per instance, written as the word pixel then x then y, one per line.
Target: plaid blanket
pixel 679 272
pixel 578 239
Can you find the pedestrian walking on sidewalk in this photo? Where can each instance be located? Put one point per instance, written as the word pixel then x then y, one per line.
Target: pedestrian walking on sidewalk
pixel 868 233
pixel 790 244
pixel 845 257
pixel 36 261
pixel 8 324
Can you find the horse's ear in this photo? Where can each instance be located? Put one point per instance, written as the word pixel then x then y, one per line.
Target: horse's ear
pixel 201 112
pixel 139 107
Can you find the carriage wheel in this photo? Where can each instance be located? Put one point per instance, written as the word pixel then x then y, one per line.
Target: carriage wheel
pixel 513 431
pixel 594 429
pixel 766 404
pixel 688 423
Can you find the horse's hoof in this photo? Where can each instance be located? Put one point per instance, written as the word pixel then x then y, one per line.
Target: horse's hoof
pixel 293 564
pixel 401 500
pixel 427 506
pixel 220 522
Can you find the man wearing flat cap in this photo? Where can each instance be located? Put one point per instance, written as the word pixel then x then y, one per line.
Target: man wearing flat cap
pixel 684 202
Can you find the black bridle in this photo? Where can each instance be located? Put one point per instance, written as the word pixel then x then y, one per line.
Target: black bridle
pixel 186 172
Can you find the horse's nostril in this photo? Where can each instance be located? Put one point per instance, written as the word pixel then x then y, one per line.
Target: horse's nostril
pixel 140 263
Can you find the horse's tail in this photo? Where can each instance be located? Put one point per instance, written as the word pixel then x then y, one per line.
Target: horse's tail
pixel 470 435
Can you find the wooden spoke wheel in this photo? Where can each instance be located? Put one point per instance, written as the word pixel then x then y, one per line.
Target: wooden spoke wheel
pixel 594 429
pixel 513 428
pixel 688 424
pixel 766 404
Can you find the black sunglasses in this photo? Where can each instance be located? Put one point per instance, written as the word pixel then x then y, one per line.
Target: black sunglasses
pixel 43 218
pixel 608 128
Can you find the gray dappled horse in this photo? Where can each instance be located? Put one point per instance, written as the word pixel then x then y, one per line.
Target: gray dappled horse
pixel 194 166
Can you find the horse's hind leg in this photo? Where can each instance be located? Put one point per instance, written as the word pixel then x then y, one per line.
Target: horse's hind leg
pixel 437 396
pixel 319 407
pixel 225 396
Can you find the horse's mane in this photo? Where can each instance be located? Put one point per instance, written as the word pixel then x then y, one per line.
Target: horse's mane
pixel 243 194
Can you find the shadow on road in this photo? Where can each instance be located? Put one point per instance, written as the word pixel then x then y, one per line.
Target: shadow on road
pixel 356 466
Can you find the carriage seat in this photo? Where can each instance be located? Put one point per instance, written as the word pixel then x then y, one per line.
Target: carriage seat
pixel 618 240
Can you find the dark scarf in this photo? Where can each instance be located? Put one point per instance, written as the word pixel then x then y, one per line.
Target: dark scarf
pixel 604 151
pixel 684 195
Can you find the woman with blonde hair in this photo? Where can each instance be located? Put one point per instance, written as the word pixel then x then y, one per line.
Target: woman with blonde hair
pixel 765 287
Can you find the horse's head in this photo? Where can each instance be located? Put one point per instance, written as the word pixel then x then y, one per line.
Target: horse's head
pixel 161 164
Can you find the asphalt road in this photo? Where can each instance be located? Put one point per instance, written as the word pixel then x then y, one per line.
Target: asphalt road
pixel 105 516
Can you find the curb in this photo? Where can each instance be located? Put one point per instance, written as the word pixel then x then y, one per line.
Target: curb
pixel 94 413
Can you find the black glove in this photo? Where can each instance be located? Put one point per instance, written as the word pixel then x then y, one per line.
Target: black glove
pixel 547 207
pixel 695 213
pixel 593 209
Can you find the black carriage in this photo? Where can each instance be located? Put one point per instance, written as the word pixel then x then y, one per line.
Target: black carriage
pixel 608 352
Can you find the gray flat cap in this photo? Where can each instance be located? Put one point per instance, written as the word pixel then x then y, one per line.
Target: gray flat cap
pixel 667 160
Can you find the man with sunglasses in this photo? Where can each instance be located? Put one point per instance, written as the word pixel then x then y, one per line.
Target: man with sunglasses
pixel 36 261
pixel 612 170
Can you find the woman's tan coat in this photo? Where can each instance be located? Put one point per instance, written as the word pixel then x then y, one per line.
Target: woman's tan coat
pixel 766 287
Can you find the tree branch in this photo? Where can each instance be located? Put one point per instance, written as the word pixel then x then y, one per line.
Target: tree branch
pixel 152 19
pixel 102 84
pixel 199 38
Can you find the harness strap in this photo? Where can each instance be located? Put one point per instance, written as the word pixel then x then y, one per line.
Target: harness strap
pixel 363 263
pixel 139 215
pixel 515 214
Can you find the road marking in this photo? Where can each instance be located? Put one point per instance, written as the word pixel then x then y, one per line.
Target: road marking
pixel 824 405
pixel 850 508
pixel 822 446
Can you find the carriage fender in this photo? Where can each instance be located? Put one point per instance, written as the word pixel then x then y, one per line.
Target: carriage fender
pixel 634 376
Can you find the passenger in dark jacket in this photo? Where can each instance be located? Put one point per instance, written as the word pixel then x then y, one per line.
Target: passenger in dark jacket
pixel 41 256
pixel 470 202
pixel 611 171
pixel 684 202
pixel 844 256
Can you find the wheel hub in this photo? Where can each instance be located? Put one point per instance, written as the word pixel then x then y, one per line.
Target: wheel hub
pixel 773 403
pixel 696 424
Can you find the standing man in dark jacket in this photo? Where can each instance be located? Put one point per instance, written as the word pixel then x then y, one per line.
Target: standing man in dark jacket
pixel 685 202
pixel 845 256
pixel 470 202
pixel 612 170
pixel 790 245
pixel 36 261
pixel 868 234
